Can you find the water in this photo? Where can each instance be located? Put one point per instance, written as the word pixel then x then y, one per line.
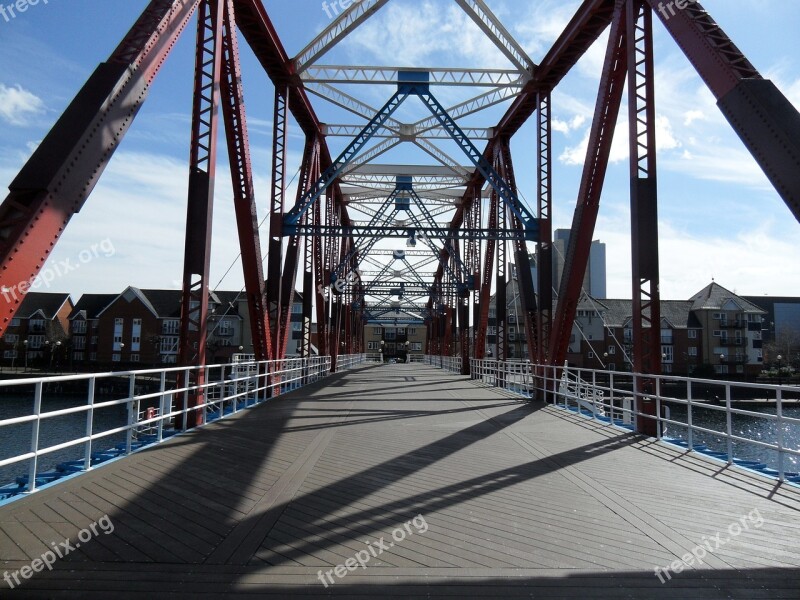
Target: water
pixel 751 428
pixel 16 439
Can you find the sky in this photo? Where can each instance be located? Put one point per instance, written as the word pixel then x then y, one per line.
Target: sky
pixel 718 215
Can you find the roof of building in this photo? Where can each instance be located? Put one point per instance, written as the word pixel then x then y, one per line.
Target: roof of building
pixel 618 313
pixel 48 303
pixel 92 305
pixel 714 297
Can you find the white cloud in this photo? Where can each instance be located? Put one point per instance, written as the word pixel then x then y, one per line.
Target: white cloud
pixel 18 105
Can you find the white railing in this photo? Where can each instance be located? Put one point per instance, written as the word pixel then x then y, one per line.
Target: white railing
pixel 698 414
pixel 513 376
pixel 448 363
pixel 157 403
pixel 348 361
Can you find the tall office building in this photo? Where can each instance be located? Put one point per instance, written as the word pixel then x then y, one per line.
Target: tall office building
pixel 594 280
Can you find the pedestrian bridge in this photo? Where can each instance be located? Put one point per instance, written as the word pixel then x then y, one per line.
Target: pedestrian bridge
pixel 407 481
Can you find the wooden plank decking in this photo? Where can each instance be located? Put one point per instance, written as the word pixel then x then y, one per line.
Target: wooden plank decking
pixel 512 500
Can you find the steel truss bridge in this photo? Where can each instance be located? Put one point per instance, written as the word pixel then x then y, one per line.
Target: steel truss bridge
pixel 460 216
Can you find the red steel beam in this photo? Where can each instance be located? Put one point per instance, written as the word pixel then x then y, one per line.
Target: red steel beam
pixel 62 172
pixel 202 168
pixel 644 209
pixel 605 119
pixel 544 258
pixel 244 200
pixel 764 119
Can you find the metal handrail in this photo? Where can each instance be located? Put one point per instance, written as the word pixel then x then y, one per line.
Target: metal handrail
pixel 613 398
pixel 226 389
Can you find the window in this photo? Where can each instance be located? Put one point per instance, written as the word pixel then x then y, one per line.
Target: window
pixel 36 324
pixel 79 326
pixel 373 345
pixel 666 368
pixel 612 350
pixel 612 366
pixel 391 334
pixel 667 354
pixel 760 355
pixel 391 347
pixel 377 331
pixel 169 359
pixel 94 340
pixel 412 331
pixel 717 333
pixel 14 322
pixel 35 341
pixel 491 331
pixel 118 325
pixel 78 356
pixel 134 358
pixel 416 346
pixel 12 338
pixel 115 358
pixel 693 334
pixel 225 327
pixel 721 369
pixel 170 327
pixel 93 356
pixel 512 330
pixel 591 354
pixel 297 326
pixel 297 308
pixel 740 369
pixel 692 351
pixel 136 335
pixel 169 345
pixel 401 331
pixel 79 343
pixel 10 354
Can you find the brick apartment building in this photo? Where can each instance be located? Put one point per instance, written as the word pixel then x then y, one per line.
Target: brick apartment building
pixel 38 334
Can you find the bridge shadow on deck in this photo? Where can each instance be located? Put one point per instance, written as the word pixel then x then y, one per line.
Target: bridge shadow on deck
pixel 265 501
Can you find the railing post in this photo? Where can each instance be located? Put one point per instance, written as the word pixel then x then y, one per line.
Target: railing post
pixel 87 453
pixel 37 410
pixel 781 455
pixel 186 375
pixel 162 403
pixel 689 415
pixel 729 421
pixel 133 413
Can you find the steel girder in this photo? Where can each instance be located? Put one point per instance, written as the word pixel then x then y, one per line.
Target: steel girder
pixel 612 83
pixel 64 169
pixel 644 206
pixel 234 112
pixel 202 168
pixel 760 114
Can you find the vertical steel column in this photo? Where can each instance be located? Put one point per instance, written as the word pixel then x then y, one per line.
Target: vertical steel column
pixel 501 293
pixel 233 109
pixel 308 293
pixel 644 207
pixel 521 257
pixel 309 172
pixel 486 280
pixel 277 206
pixel 322 290
pixel 544 257
pixel 203 161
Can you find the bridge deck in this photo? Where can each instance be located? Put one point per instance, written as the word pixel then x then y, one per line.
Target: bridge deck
pixel 518 499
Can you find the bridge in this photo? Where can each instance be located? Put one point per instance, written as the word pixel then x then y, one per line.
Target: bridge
pixel 276 474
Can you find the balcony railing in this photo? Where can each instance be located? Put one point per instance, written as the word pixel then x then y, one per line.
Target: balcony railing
pixel 733 324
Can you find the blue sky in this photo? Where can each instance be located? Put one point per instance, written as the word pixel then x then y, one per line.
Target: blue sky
pixel 719 217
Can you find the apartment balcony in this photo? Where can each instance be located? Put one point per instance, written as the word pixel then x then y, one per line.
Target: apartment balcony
pixel 733 325
pixel 731 342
